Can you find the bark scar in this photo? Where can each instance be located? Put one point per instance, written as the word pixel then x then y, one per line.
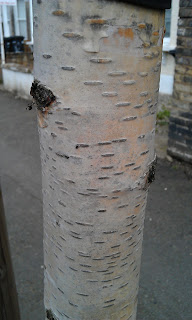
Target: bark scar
pixel 43 98
pixel 151 173
pixel 152 170
pixel 50 316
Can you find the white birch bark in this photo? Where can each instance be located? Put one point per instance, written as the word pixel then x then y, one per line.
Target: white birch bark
pixel 101 60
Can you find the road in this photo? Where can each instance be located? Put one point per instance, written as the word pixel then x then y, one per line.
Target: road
pixel 166 272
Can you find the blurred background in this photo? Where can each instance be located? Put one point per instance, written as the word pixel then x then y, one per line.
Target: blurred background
pixel 18 43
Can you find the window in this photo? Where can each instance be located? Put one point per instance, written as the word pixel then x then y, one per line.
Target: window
pixel 22 18
pixel 171 20
pixel 17 20
pixel 167 22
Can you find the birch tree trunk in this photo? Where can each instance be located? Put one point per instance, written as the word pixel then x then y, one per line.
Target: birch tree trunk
pixel 98 66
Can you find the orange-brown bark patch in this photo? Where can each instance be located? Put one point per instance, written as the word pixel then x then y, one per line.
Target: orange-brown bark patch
pixel 126 32
pixel 155 33
pixel 58 13
pixel 142 25
pixel 100 60
pixel 96 21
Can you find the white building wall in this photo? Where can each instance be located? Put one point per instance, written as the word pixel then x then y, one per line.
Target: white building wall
pixel 18 82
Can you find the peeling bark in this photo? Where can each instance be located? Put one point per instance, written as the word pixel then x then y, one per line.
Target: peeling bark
pixel 97 150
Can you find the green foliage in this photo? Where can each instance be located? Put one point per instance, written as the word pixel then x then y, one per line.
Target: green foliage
pixel 163 114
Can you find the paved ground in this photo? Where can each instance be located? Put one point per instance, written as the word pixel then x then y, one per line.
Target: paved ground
pixel 166 273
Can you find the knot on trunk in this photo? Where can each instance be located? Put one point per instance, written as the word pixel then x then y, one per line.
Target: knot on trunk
pixel 50 316
pixel 152 170
pixel 43 97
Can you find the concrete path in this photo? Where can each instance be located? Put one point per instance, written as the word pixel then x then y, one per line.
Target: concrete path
pixel 166 273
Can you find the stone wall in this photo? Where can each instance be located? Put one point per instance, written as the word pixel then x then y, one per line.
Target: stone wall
pixel 183 70
pixel 180 126
pixel 180 136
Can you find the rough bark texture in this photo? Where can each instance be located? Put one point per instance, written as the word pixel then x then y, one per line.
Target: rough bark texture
pixel 101 60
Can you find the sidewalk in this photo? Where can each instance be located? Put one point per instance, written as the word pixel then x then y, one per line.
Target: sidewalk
pixel 166 273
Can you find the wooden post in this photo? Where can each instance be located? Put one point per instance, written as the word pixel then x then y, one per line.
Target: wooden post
pixel 9 308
